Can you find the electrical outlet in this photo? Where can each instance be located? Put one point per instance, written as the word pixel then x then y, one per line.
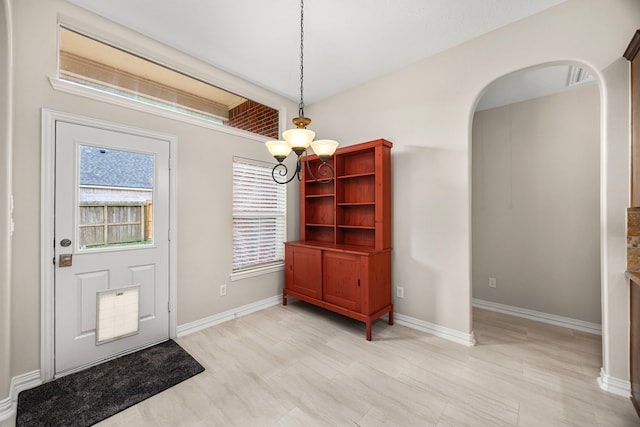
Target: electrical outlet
pixel 223 290
pixel 492 282
pixel 400 292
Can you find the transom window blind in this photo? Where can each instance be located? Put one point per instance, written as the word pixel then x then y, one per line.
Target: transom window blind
pixel 259 216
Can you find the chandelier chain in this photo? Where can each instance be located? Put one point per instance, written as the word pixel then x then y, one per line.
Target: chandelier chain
pixel 301 105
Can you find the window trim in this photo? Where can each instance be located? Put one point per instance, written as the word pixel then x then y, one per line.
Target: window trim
pixel 256 271
pixel 157 110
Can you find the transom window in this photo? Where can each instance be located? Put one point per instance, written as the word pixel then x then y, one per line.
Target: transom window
pixel 97 65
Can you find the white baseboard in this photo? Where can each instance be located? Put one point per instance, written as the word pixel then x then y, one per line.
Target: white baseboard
pixel 32 379
pixel 437 330
pixel 191 327
pixel 566 322
pixel 6 408
pixel 22 382
pixel 610 384
pixel 614 385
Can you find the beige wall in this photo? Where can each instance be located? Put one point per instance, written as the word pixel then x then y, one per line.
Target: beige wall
pixel 426 110
pixel 5 191
pixel 204 159
pixel 536 204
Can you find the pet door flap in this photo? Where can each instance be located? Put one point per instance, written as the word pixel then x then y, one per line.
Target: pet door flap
pixel 117 313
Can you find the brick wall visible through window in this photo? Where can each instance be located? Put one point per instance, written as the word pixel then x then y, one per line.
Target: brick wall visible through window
pixel 256 118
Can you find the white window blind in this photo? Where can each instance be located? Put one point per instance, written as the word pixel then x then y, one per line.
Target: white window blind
pixel 259 216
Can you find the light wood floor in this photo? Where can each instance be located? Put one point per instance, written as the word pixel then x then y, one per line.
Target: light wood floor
pixel 302 366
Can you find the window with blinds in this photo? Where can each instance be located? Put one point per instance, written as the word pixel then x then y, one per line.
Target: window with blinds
pixel 259 216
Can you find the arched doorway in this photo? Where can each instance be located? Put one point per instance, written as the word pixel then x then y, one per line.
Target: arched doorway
pixel 536 197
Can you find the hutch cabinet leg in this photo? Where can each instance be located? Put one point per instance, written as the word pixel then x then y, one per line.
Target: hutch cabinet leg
pixel 284 299
pixel 368 330
pixel 391 316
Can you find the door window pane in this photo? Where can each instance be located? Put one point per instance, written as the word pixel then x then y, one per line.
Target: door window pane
pixel 115 198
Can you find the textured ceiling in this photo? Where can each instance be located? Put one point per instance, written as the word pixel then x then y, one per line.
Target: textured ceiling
pixel 346 42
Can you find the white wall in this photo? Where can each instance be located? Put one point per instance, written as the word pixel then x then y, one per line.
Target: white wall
pixel 536 204
pixel 426 111
pixel 204 173
pixel 615 191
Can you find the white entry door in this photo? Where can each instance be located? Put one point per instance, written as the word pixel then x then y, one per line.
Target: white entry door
pixel 111 244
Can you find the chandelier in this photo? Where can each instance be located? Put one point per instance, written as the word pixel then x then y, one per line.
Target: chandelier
pixel 299 139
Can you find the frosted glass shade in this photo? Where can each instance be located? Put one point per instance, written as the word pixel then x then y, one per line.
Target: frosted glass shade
pixel 324 147
pixel 278 148
pixel 298 138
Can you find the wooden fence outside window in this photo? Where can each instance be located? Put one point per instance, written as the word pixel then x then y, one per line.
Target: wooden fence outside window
pixel 115 223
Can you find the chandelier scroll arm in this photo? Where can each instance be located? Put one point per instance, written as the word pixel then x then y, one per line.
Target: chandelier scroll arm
pixel 281 170
pixel 324 169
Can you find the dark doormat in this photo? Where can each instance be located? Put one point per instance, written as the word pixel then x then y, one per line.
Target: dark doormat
pixel 90 396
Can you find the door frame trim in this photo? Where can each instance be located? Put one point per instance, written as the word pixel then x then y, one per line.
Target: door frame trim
pixel 47 204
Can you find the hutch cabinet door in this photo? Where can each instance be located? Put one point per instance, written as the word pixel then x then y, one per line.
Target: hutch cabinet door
pixel 342 280
pixel 304 270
